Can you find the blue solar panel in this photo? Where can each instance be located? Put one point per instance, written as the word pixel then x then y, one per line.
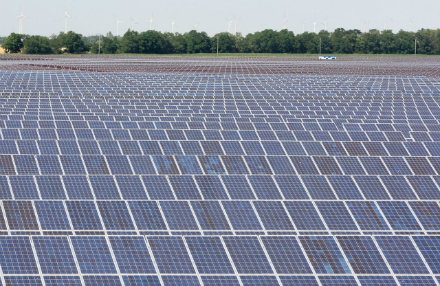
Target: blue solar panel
pixel 54 255
pixel 324 254
pixel 219 171
pixel 247 255
pixel 93 255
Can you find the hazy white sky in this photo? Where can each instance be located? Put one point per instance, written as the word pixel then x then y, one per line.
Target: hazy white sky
pixel 98 16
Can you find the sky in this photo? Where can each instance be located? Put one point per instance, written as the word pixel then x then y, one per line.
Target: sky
pixel 93 17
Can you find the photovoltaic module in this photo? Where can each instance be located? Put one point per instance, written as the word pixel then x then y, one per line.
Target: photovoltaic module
pixel 219 171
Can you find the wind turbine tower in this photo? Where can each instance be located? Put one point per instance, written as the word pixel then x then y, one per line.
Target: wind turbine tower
pixel 229 25
pixel 236 20
pixel 172 26
pixel 410 26
pixel 365 26
pixel 314 27
pixel 151 22
pixel 133 23
pixel 117 26
pixel 284 22
pixel 66 16
pixel 20 21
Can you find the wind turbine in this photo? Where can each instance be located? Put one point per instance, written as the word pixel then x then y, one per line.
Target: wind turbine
pixel 325 24
pixel 117 26
pixel 66 16
pixel 236 20
pixel 194 26
pixel 20 21
pixel 365 26
pixel 133 23
pixel 314 27
pixel 229 25
pixel 410 26
pixel 151 22
pixel 284 22
pixel 384 26
pixel 172 26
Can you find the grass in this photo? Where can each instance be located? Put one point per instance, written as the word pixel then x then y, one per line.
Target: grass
pixel 234 55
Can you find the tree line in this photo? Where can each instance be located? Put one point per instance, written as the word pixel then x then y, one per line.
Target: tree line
pixel 340 41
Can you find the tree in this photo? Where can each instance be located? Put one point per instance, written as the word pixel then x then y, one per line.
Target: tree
pixel 74 43
pixel 130 42
pixel 177 41
pixel 152 42
pixel 344 41
pixel 388 42
pixel 369 43
pixel 14 43
pixel 405 42
pixel 243 43
pixel 37 45
pixel 307 43
pixel 108 45
pixel 226 43
pixel 326 45
pixel 286 41
pixel 197 42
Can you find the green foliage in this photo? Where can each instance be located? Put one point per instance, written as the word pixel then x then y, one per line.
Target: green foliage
pixel 177 41
pixel 226 43
pixel 37 45
pixel 130 42
pixel 153 42
pixel 344 41
pixel 13 43
pixel 73 43
pixel 108 45
pixel 340 41
pixel 307 43
pixel 197 42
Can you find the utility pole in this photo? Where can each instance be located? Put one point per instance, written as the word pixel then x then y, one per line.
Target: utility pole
pixel 99 45
pixel 319 46
pixel 415 46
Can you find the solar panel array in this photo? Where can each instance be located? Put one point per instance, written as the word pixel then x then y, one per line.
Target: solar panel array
pixel 218 179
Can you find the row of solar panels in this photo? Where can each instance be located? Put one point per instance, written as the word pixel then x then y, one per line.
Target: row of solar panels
pixel 15 121
pixel 215 255
pixel 223 187
pixel 211 165
pixel 144 115
pixel 218 135
pixel 209 82
pixel 107 146
pixel 222 217
pixel 220 280
pixel 220 116
pixel 377 101
pixel 386 104
pixel 273 96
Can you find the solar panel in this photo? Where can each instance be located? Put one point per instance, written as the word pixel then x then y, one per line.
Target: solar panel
pixel 219 171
